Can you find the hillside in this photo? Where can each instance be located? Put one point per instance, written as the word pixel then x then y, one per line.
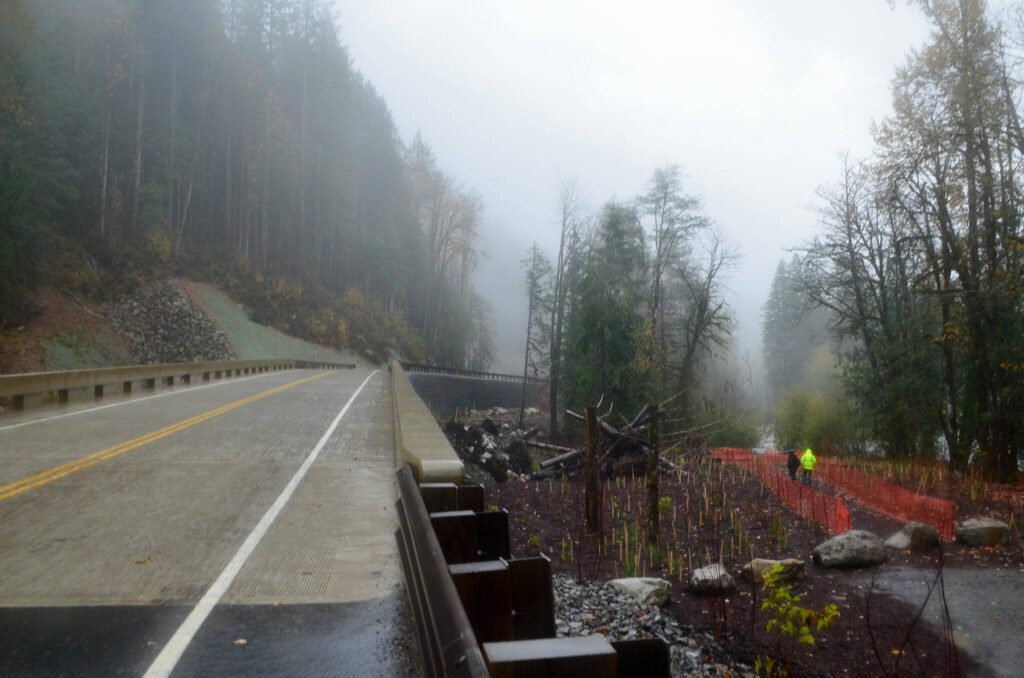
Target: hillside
pixel 252 341
pixel 69 332
pixel 209 141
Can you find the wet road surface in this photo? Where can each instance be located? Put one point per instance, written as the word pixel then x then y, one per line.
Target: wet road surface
pixel 986 607
pixel 263 498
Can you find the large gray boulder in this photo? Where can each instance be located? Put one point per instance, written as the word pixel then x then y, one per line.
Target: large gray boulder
pixel 792 569
pixel 914 536
pixel 982 532
pixel 711 580
pixel 856 548
pixel 646 590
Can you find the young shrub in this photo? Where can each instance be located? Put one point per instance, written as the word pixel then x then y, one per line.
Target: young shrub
pixel 789 621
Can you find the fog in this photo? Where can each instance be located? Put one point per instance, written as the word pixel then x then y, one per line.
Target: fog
pixel 754 100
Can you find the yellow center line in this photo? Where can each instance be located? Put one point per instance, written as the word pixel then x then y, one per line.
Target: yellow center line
pixel 76 465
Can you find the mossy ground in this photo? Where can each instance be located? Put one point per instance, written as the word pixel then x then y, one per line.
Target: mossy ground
pixel 252 341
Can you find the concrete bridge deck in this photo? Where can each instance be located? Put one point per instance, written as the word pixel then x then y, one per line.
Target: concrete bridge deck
pixel 242 528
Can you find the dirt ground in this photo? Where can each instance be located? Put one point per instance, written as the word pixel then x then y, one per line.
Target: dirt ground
pixel 65 333
pixel 714 513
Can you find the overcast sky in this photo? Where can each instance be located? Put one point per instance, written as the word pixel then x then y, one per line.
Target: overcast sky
pixel 754 99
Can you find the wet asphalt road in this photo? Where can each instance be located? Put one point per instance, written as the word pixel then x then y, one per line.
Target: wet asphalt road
pixel 236 640
pixel 101 563
pixel 986 607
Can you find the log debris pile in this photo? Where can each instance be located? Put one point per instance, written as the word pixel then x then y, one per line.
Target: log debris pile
pixel 493 448
pixel 622 451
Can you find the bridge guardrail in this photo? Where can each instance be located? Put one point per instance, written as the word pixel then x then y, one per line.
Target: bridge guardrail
pixel 18 386
pixel 418 440
pixel 446 637
pixel 479 611
pixel 451 371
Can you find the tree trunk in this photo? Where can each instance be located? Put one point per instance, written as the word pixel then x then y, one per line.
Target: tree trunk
pixel 653 460
pixel 265 194
pixel 173 187
pixel 302 239
pixel 529 328
pixel 228 179
pixel 554 358
pixel 591 478
pixel 105 176
pixel 137 164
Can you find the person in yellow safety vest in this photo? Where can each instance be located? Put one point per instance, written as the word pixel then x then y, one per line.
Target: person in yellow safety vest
pixel 807 462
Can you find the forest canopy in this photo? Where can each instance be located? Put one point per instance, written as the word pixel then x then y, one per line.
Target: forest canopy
pixel 235 139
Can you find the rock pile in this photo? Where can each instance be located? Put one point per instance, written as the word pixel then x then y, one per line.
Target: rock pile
pixel 165 326
pixel 583 609
pixel 497 448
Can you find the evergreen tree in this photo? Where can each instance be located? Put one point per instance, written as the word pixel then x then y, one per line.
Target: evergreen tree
pixel 161 133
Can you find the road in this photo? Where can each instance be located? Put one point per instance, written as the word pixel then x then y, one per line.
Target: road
pixel 985 606
pixel 240 528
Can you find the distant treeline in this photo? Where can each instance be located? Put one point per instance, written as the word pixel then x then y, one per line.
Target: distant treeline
pixel 159 130
pixel 919 261
pixel 630 311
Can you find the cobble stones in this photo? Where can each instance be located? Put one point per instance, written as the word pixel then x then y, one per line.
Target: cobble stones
pixel 165 326
pixel 585 608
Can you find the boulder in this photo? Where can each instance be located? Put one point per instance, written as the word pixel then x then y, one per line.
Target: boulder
pixel 982 532
pixel 646 590
pixel 914 536
pixel 711 579
pixel 856 548
pixel 792 569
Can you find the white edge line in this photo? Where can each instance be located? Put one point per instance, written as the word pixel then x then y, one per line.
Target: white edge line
pixel 168 658
pixel 177 391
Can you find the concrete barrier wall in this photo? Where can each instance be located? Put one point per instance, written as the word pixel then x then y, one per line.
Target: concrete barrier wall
pixel 418 439
pixel 444 393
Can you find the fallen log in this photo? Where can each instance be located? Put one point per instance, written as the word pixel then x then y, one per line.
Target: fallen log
pixel 562 458
pixel 608 429
pixel 549 446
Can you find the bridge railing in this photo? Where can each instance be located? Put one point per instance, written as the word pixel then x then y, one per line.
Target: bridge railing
pixel 418 439
pixel 475 374
pixel 481 612
pixel 446 637
pixel 18 386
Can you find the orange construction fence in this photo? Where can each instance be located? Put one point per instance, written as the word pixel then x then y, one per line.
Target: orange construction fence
pixel 885 497
pixel 823 509
pixel 892 500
